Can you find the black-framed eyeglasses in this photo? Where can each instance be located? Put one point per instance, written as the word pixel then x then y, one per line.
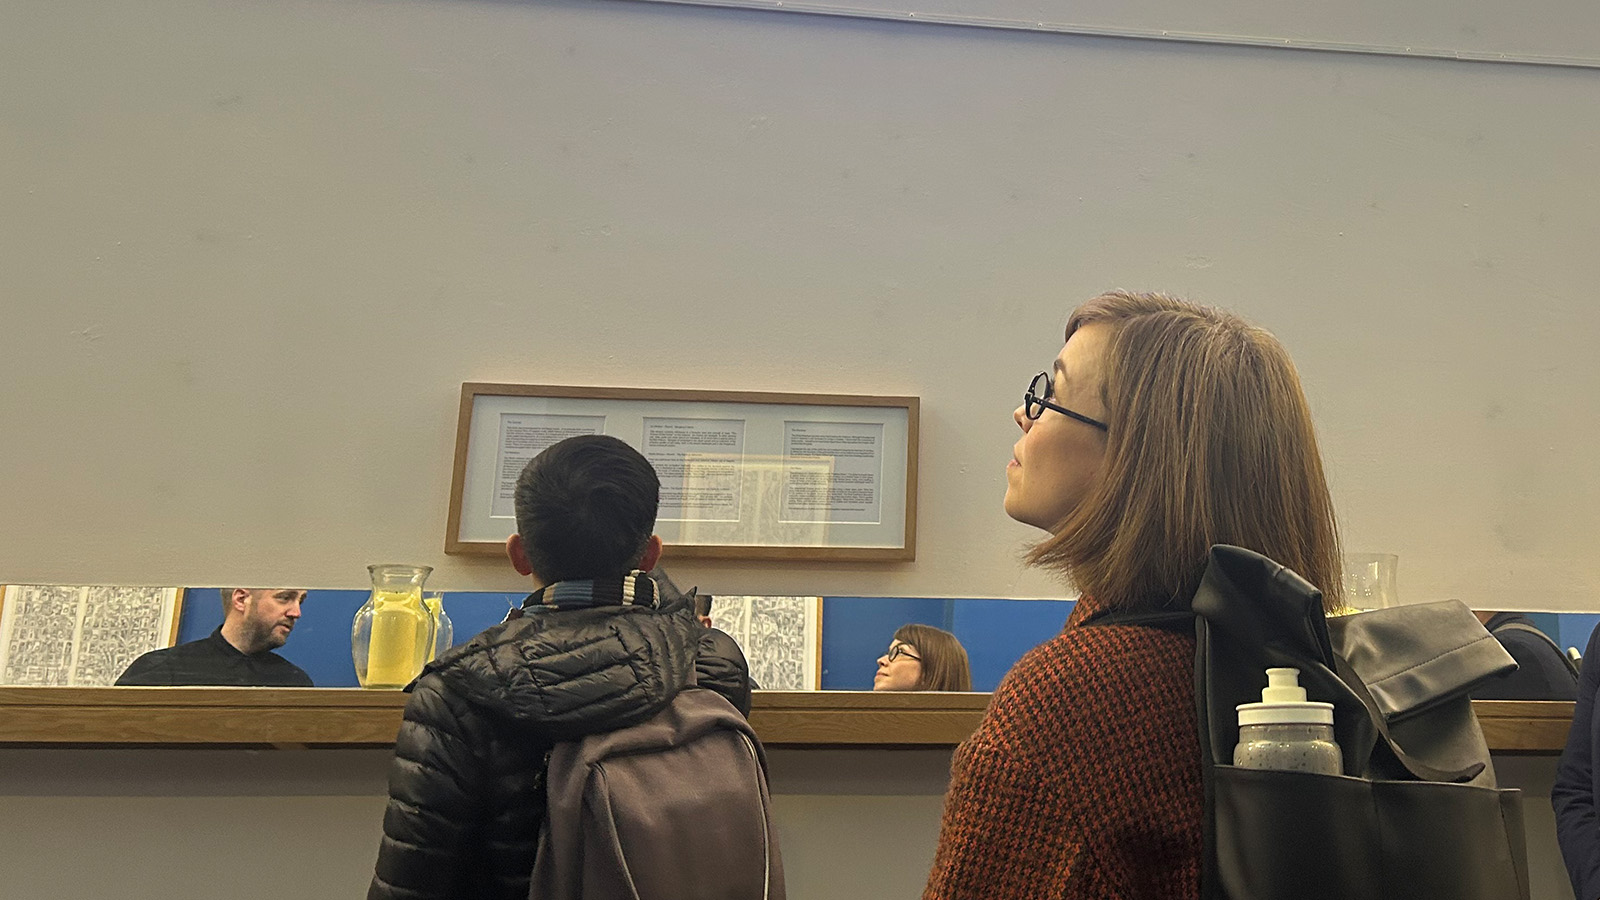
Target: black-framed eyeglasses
pixel 899 650
pixel 1037 399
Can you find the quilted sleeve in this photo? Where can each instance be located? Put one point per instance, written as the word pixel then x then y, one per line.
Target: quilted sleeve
pixel 436 789
pixel 720 665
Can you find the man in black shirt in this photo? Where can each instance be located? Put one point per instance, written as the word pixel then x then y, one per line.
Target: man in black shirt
pixel 255 622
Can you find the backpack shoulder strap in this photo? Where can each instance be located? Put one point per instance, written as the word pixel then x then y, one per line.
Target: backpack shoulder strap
pixel 1566 660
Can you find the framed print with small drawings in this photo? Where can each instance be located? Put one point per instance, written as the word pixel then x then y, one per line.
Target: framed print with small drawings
pixel 81 635
pixel 781 638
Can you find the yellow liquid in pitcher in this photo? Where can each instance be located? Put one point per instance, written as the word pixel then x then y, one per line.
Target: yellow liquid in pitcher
pixel 399 635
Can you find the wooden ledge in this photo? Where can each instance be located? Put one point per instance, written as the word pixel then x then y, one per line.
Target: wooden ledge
pixel 1525 726
pixel 333 717
pixel 343 717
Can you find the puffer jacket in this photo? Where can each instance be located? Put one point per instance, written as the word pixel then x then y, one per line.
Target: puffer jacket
pixel 466 789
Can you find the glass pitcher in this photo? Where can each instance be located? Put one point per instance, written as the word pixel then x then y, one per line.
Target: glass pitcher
pixel 444 631
pixel 392 634
pixel 1369 580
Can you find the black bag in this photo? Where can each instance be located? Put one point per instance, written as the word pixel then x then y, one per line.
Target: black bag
pixel 1416 814
pixel 673 807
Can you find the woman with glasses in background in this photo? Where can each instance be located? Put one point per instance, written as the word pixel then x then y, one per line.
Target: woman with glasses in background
pixel 923 658
pixel 1161 428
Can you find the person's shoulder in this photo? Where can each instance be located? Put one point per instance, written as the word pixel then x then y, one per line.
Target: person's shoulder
pixel 147 669
pixel 156 666
pixel 718 643
pixel 153 657
pixel 1526 643
pixel 1089 687
pixel 1093 666
pixel 1519 634
pixel 186 649
pixel 1088 653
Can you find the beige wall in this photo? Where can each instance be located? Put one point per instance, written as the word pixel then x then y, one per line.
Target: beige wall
pixel 271 825
pixel 250 250
pixel 275 825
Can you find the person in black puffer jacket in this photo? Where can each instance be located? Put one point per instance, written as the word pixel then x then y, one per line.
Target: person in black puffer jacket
pixel 598 646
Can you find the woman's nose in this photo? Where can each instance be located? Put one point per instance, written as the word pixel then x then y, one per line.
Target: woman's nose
pixel 1021 418
pixel 883 660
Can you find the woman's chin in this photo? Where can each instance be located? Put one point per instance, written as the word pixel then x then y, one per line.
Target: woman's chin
pixel 1026 517
pixel 1014 510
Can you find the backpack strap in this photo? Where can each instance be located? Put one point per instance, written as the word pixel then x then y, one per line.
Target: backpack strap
pixel 1572 668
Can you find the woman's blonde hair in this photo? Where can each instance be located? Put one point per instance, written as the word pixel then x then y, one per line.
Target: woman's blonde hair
pixel 1210 441
pixel 944 660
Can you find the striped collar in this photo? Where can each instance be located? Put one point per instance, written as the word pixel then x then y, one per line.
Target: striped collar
pixel 633 589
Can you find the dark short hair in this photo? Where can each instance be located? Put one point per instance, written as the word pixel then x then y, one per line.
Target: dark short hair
pixel 702 604
pixel 586 508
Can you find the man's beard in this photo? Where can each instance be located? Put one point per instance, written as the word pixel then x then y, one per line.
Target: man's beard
pixel 264 636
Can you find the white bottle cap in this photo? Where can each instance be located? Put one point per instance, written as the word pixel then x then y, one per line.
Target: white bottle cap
pixel 1284 702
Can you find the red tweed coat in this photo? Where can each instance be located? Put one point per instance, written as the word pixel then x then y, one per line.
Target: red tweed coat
pixel 1083 781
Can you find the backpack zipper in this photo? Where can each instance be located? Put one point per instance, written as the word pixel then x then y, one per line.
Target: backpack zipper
pixel 766 839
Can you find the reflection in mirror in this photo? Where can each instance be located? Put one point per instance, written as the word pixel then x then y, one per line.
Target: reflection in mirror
pixel 320 641
pixel 995 633
pixel 923 658
pixel 237 653
pixel 89 635
pixel 781 637
pixel 1545 669
pixel 81 635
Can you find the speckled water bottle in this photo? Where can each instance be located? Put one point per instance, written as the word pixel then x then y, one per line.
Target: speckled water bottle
pixel 1286 731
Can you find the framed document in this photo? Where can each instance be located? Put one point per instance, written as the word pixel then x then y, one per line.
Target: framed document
pixel 83 635
pixel 743 475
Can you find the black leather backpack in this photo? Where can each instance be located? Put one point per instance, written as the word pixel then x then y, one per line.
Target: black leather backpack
pixel 1416 814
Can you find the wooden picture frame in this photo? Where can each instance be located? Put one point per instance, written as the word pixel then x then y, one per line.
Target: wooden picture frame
pixel 745 475
pixel 82 635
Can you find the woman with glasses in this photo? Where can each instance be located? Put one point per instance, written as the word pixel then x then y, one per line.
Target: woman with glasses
pixel 1160 429
pixel 923 658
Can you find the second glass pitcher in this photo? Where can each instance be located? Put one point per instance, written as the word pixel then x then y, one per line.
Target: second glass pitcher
pixel 444 630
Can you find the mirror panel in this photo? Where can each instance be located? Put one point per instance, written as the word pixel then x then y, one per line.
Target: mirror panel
pixel 853 632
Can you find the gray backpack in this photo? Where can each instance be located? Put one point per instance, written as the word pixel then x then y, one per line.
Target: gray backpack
pixel 672 808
